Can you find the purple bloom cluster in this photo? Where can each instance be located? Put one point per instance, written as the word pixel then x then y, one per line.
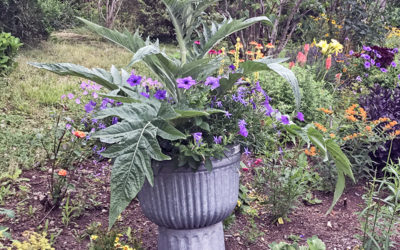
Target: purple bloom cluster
pixel 242 128
pixel 160 94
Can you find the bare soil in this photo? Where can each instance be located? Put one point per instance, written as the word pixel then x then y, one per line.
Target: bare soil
pixel 337 229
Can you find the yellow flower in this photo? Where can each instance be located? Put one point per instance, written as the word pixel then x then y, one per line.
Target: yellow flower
pixel 116 239
pixel 333 22
pixel 280 220
pixel 94 237
pixel 239 203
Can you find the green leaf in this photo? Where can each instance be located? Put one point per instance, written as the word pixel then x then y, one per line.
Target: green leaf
pixel 208 164
pixel 100 76
pixel 167 131
pixel 7 212
pixel 131 112
pixel 318 140
pixel 190 113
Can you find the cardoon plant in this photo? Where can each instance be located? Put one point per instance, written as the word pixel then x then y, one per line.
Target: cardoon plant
pixel 194 115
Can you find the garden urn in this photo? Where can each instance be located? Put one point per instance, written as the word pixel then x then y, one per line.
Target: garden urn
pixel 189 206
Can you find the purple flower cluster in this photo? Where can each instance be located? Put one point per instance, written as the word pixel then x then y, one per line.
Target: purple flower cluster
pixel 242 128
pixel 379 56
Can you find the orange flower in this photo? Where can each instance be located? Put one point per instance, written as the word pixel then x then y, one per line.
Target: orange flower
pixel 351 111
pixel 363 114
pixel 79 134
pixel 332 135
pixel 344 70
pixel 241 60
pixel 250 53
pixel 62 172
pixel 291 65
pixel 254 43
pixel 311 152
pixel 368 128
pixel 393 123
pixel 270 46
pixel 351 118
pixel 320 126
pixel 232 52
pixel 259 46
pixel 397 132
pixel 326 111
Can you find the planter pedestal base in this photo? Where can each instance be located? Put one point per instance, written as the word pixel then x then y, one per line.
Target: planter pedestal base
pixel 205 238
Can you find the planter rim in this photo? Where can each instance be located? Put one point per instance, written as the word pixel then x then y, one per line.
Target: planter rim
pixel 169 167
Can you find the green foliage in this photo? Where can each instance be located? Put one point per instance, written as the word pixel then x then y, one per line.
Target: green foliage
pixel 313 93
pixel 57 14
pixel 313 243
pixel 8 51
pixel 284 179
pixel 380 214
pixel 23 19
pixel 329 149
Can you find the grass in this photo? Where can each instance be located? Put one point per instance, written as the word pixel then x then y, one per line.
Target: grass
pixel 30 95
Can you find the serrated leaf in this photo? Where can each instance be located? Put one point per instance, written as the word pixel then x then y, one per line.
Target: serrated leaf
pixel 130 112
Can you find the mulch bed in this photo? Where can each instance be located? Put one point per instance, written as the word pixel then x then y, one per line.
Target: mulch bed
pixel 337 229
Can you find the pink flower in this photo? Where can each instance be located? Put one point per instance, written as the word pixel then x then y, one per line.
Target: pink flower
pixel 197 42
pixel 301 58
pixel 291 65
pixel 306 48
pixel 328 62
pixel 212 52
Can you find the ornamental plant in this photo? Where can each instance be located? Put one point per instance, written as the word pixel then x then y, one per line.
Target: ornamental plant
pixel 197 112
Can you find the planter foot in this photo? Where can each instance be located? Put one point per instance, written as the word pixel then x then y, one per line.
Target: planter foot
pixel 205 238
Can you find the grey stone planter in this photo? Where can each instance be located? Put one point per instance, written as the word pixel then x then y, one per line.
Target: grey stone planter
pixel 189 206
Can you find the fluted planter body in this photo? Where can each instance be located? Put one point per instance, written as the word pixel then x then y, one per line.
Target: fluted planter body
pixel 189 206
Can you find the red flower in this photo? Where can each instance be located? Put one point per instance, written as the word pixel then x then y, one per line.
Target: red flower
pixel 245 169
pixel 62 172
pixel 301 58
pixel 291 65
pixel 257 162
pixel 306 48
pixel 328 62
pixel 79 134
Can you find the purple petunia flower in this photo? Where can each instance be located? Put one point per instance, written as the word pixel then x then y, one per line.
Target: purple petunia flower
pixel 285 120
pixel 78 101
pixel 383 70
pixel 85 92
pixel 185 83
pixel 395 51
pixel 351 52
pixel 212 81
pixel 134 80
pixel 378 65
pixel 232 67
pixel 145 94
pixel 228 115
pixel 300 116
pixel 367 64
pixel 358 78
pixel 70 96
pixel 197 137
pixel 247 152
pixel 160 94
pixel 365 56
pixel 393 64
pixel 372 62
pixel 114 120
pixel 366 48
pixel 95 95
pixel 217 139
